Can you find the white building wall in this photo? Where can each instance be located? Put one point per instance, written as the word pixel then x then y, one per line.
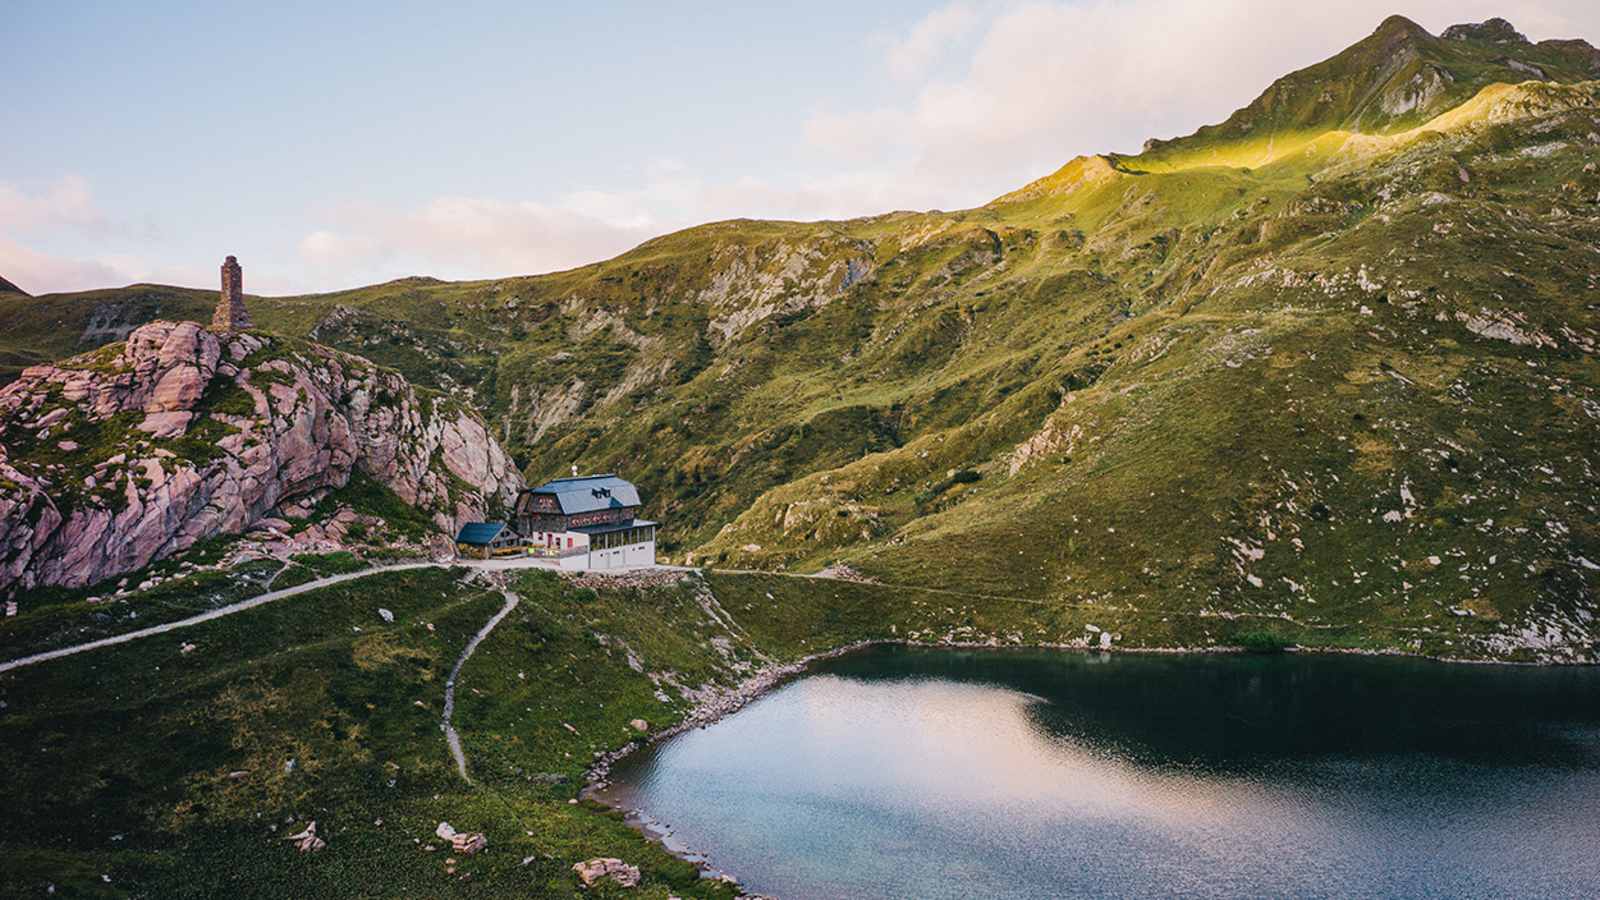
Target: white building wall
pixel 607 559
pixel 641 554
pixel 628 556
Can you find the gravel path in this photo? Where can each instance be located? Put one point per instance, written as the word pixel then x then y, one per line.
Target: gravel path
pixel 496 565
pixel 217 613
pixel 450 736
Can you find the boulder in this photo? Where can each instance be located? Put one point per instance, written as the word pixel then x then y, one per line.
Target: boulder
pixel 307 841
pixel 464 842
pixel 593 870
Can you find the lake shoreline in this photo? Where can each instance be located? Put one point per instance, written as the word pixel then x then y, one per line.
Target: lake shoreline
pixel 728 701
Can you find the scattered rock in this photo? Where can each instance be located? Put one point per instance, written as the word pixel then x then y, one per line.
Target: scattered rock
pixel 385 615
pixel 842 572
pixel 591 871
pixel 307 840
pixel 464 842
pixel 639 725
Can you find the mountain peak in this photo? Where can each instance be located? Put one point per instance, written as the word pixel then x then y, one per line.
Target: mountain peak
pixel 1395 78
pixel 1400 26
pixel 1492 31
pixel 1079 172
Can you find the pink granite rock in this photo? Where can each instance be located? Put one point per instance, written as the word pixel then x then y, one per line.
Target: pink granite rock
pixel 319 415
pixel 591 871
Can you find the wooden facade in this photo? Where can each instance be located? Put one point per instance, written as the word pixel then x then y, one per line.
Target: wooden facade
pixel 536 521
pixel 567 504
pixel 587 521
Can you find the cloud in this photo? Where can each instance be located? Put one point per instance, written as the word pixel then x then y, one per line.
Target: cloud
pixel 63 206
pixel 1046 81
pixel 914 54
pixel 68 201
pixel 39 272
pixel 478 237
pixel 982 97
pixel 461 237
pixel 327 248
pixel 42 273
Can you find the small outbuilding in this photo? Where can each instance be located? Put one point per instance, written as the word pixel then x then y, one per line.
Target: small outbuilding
pixel 484 539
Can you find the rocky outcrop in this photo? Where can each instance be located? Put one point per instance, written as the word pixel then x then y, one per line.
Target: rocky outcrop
pixel 750 284
pixel 306 841
pixel 591 871
pixel 128 455
pixel 1493 31
pixel 466 843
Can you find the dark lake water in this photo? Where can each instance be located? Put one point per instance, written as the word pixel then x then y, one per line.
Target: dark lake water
pixel 934 774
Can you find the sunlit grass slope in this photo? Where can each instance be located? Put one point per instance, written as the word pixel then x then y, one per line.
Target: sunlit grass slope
pixel 1331 359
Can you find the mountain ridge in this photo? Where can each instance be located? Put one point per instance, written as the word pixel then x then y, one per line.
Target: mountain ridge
pixel 1206 377
pixel 1330 388
pixel 1394 79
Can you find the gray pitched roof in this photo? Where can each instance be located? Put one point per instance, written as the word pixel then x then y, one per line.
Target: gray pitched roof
pixel 589 493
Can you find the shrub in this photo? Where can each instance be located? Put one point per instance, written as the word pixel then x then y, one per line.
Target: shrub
pixel 337 563
pixel 1263 640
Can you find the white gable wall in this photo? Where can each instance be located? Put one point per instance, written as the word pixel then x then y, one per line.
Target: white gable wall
pixel 628 556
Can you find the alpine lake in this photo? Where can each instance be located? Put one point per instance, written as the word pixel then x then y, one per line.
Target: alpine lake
pixel 927 773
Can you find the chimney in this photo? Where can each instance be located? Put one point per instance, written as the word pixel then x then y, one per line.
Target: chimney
pixel 231 314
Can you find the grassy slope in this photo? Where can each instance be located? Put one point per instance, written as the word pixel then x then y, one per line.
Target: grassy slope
pixel 121 762
pixel 1264 330
pixel 1228 372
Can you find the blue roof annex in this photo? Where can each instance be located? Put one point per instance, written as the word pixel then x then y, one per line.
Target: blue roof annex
pixel 480 532
pixel 590 493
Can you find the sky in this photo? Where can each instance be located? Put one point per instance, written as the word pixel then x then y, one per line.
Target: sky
pixel 331 145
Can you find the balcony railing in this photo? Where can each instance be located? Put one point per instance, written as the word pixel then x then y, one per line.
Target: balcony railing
pixel 554 552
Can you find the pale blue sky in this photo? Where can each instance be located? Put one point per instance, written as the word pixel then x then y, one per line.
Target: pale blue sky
pixel 329 145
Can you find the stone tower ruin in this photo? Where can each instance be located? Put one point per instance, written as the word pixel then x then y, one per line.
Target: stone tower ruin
pixel 231 314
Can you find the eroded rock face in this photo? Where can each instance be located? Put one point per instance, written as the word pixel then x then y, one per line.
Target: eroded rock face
pixel 1494 31
pixel 181 434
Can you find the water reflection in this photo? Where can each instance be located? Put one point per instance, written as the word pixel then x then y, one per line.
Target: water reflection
pixel 940 774
pixel 1242 710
